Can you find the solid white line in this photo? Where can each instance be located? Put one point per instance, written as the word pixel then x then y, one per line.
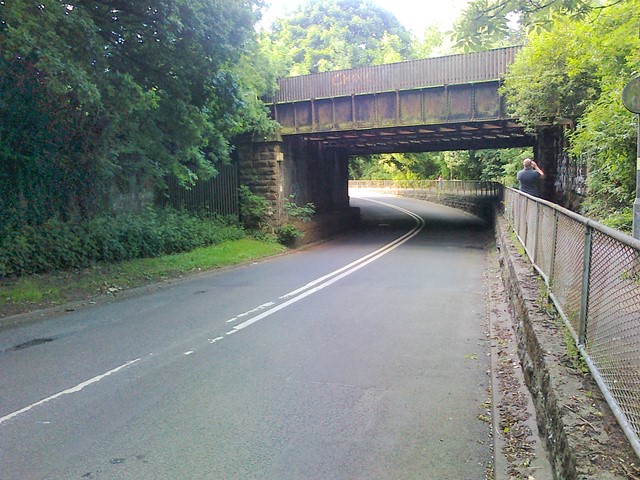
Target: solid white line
pixel 75 389
pixel 333 277
pixel 400 240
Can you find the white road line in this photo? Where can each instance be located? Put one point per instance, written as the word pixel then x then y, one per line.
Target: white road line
pixel 388 247
pixel 294 296
pixel 336 275
pixel 246 314
pixel 69 391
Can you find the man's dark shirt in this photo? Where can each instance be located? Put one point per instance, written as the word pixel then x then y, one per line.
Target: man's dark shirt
pixel 528 179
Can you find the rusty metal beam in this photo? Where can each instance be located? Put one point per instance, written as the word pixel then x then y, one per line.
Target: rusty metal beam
pixel 395 108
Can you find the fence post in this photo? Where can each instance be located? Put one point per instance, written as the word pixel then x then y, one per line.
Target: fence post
pixel 554 247
pixel 523 235
pixel 534 249
pixel 586 273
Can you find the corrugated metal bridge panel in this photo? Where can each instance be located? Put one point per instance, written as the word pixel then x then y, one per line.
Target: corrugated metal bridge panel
pixel 449 70
pixel 444 103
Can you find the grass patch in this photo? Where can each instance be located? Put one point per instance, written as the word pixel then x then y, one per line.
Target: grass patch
pixel 516 243
pixel 30 290
pixel 40 291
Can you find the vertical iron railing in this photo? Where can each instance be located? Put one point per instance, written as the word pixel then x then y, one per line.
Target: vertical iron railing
pixel 216 195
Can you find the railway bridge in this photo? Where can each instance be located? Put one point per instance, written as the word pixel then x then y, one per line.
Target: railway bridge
pixel 436 104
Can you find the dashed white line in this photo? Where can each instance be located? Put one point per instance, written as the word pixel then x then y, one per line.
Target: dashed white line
pixel 245 314
pixel 69 391
pixel 293 297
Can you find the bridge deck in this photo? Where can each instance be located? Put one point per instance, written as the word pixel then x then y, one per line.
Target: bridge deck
pixel 435 104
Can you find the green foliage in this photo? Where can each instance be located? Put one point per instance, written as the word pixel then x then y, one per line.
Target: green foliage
pixel 486 24
pixel 434 42
pixel 397 166
pixel 287 234
pixel 620 220
pixel 500 165
pixel 57 245
pixel 256 214
pixel 575 71
pixel 38 291
pixel 542 87
pixel 493 165
pixel 97 98
pixel 299 212
pixel 255 211
pixel 331 35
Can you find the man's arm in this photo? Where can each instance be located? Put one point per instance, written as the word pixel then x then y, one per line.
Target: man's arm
pixel 537 168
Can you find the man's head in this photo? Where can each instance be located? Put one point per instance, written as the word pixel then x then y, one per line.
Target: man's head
pixel 526 163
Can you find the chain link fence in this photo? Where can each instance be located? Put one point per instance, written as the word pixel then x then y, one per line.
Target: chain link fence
pixel 593 276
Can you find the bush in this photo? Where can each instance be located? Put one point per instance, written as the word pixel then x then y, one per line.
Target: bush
pixel 621 220
pixel 56 245
pixel 255 211
pixel 287 234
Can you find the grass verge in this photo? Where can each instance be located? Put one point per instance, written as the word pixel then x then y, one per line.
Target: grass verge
pixel 35 292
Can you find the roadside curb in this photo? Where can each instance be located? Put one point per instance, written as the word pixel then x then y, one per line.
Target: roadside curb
pixel 518 449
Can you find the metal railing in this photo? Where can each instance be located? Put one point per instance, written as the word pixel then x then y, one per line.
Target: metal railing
pixel 478 198
pixel 219 194
pixel 428 72
pixel 593 276
pixel 457 187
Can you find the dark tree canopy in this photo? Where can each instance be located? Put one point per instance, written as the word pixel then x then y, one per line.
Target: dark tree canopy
pixel 98 95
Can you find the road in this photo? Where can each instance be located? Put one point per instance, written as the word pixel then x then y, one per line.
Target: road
pixel 360 358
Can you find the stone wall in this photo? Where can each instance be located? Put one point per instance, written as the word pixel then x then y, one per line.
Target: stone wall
pixel 292 169
pixel 260 164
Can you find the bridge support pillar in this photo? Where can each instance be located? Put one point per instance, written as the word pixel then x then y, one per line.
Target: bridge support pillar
pixel 259 163
pixel 313 173
pixel 280 169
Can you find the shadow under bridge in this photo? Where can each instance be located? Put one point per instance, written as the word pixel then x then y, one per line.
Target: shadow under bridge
pixel 436 104
pixel 479 198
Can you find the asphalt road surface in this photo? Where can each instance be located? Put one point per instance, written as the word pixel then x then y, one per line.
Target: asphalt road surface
pixel 360 358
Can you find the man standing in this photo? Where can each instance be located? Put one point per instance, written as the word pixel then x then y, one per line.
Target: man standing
pixel 528 177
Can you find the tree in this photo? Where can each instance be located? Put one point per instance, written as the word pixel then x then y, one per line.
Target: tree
pixel 396 166
pixel 575 71
pixel 110 94
pixel 338 34
pixel 545 84
pixel 494 23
